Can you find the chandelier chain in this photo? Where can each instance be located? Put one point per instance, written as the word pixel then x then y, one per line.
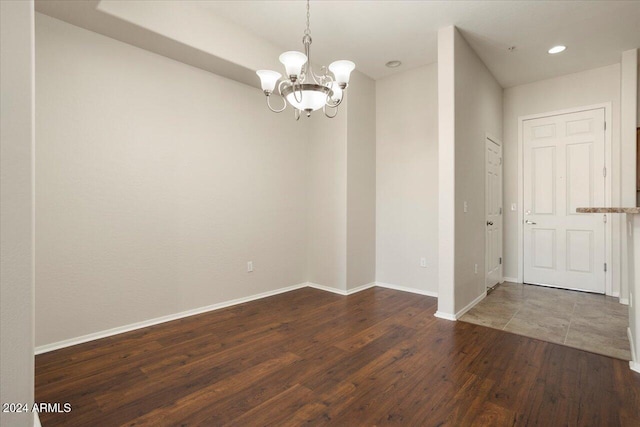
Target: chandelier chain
pixel 307 32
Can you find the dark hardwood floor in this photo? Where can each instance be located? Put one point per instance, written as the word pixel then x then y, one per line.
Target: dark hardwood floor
pixel 310 357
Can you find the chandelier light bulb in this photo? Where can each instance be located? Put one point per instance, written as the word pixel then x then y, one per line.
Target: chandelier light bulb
pixel 293 62
pixel 311 100
pixel 342 71
pixel 268 79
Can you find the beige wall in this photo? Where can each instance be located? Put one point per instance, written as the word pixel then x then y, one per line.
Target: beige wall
pixel 407 178
pixel 361 181
pixel 16 209
pixel 478 111
pixel 591 87
pixel 157 182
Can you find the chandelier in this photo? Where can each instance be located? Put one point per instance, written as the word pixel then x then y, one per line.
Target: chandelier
pixel 302 88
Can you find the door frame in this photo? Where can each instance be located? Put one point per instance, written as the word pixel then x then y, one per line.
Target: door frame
pixel 488 136
pixel 610 198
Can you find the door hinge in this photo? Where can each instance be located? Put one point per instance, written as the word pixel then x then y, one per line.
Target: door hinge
pixel 500 260
pixel 604 171
pixel 604 218
pixel 500 211
pixel 500 160
pixel 605 266
pixel 605 125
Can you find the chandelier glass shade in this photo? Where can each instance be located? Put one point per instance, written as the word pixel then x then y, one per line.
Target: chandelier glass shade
pixel 301 87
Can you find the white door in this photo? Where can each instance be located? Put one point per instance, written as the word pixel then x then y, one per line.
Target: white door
pixel 564 169
pixel 493 210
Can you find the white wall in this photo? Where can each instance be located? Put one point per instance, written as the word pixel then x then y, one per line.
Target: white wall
pixel 205 30
pixel 446 172
pixel 341 192
pixel 407 178
pixel 16 209
pixel 361 180
pixel 638 117
pixel 478 111
pixel 327 200
pixel 157 182
pixel 574 90
pixel 628 159
pixel 633 251
pixel 469 108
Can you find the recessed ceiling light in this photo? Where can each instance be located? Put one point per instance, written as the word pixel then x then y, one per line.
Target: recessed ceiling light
pixel 393 64
pixel 557 49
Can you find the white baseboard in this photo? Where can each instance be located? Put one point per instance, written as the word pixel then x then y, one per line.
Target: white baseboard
pixel 624 301
pixel 341 291
pixel 327 288
pixel 511 279
pixel 445 316
pixel 360 288
pixel 633 364
pixel 406 289
pixel 133 326
pixel 469 306
pixel 460 313
pixel 36 420
pixel 138 325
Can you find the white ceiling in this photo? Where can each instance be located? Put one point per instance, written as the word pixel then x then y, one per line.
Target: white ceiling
pixel 372 32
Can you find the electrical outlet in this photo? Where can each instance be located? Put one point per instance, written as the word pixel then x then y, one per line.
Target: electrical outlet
pixel 465 207
pixel 249 266
pixel 423 262
pixel 475 269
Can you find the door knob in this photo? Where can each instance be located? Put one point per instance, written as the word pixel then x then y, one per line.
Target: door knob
pixel 530 222
pixel 489 223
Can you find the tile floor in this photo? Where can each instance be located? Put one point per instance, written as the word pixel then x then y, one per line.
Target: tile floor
pixel 576 319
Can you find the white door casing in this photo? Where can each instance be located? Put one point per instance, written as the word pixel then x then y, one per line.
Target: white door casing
pixel 564 168
pixel 493 211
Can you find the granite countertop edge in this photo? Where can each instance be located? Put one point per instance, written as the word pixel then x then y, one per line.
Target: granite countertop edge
pixel 635 210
